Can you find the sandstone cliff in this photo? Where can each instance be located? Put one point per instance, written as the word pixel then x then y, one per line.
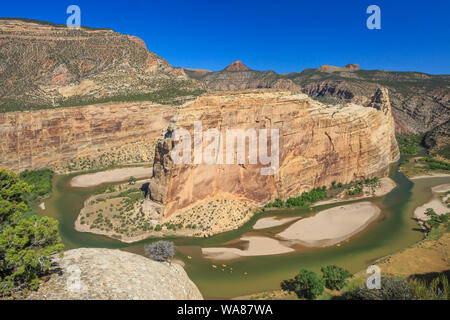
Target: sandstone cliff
pixel 106 274
pixel 419 101
pixel 319 144
pixel 68 139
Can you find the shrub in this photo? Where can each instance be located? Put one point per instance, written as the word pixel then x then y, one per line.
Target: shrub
pixel 391 289
pixel 306 284
pixel 435 164
pixel 160 251
pixel 278 203
pixel 335 277
pixel 408 144
pixel 434 219
pixel 132 180
pixel 40 182
pixel 402 289
pixel 436 289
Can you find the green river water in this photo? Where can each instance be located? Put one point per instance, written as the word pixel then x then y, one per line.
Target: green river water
pixel 395 231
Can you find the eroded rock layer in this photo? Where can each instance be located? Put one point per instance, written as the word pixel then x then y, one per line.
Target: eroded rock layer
pixel 419 101
pixel 319 144
pixel 69 139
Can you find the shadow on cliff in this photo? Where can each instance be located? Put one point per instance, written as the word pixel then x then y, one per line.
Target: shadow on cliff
pixel 144 188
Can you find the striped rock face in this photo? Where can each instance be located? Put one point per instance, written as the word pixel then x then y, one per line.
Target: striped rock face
pixel 69 139
pixel 318 144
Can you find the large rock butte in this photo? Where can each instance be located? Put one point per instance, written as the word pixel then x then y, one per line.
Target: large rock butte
pixel 109 274
pixel 319 144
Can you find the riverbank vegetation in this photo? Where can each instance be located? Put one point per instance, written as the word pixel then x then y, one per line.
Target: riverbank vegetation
pixel 419 272
pixel 337 283
pixel 419 166
pixel 27 242
pixel 306 199
pixel 309 285
pixel 435 220
pixel 409 144
pixel 412 145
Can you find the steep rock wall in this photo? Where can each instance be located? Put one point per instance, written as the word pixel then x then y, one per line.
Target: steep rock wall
pixel 69 139
pixel 318 144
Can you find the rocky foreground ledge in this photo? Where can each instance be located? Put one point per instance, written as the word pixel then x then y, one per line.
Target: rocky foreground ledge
pixel 107 274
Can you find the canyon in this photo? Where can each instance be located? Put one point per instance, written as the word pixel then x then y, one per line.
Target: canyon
pixel 60 78
pixel 97 108
pixel 318 145
pixel 57 67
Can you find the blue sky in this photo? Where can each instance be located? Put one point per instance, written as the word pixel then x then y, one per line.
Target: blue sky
pixel 283 36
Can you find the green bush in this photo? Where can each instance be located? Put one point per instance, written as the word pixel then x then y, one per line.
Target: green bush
pixel 278 203
pixel 408 144
pixel 308 198
pixel 306 285
pixel 304 200
pixel 391 289
pixel 335 277
pixel 26 243
pixel 40 182
pixel 434 219
pixel 435 164
pixel 436 289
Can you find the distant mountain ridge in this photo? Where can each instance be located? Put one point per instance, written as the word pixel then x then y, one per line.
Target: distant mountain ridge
pixel 420 101
pixel 48 65
pixel 45 65
pixel 347 67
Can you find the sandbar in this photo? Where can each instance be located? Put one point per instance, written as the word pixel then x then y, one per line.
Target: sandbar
pixel 331 226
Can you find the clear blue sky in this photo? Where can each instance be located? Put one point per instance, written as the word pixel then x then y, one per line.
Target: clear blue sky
pixel 281 35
